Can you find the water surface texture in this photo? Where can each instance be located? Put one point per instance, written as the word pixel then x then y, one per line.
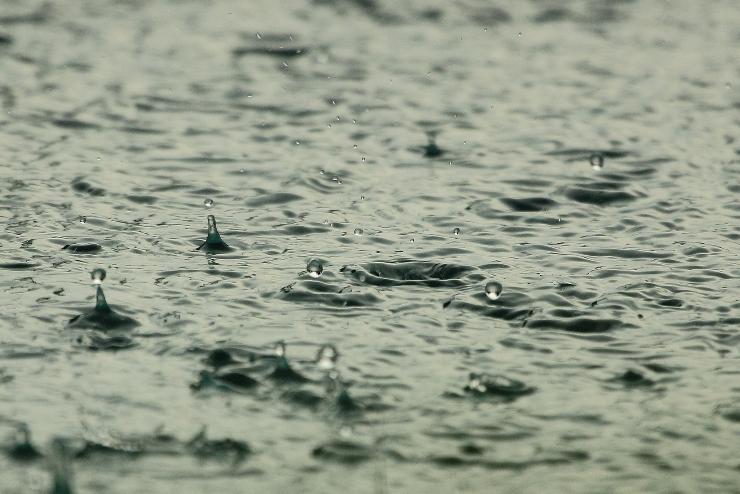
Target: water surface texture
pixel 376 168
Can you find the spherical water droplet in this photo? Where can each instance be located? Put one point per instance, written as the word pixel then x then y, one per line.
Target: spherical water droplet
pixel 358 231
pixel 82 219
pixel 493 289
pixel 597 161
pixel 327 357
pixel 98 275
pixel 354 146
pixel 456 231
pixel 208 203
pixel 314 268
pixel 363 159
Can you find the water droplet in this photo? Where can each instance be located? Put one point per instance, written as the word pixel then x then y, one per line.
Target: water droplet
pixel 208 203
pixel 280 349
pixel 327 357
pixel 335 179
pixel 456 231
pixel 322 172
pixel 259 36
pixel 493 289
pixel 363 159
pixel 297 143
pixel 362 198
pixel 82 219
pixel 314 268
pixel 358 231
pixel 354 146
pixel 597 161
pixel 241 170
pixel 98 275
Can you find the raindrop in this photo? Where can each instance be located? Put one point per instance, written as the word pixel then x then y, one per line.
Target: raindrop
pixel 456 231
pixel 354 146
pixel 327 357
pixel 98 275
pixel 358 232
pixel 208 203
pixel 363 159
pixel 597 161
pixel 314 268
pixel 82 219
pixel 493 289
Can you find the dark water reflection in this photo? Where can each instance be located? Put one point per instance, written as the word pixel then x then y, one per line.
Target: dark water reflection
pixel 584 155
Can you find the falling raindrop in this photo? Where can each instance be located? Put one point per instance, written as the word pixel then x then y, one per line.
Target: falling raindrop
pixel 98 275
pixel 597 161
pixel 314 268
pixel 493 289
pixel 327 357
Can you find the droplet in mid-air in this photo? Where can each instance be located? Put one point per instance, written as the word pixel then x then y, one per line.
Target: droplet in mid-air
pixel 213 242
pixel 98 275
pixel 456 231
pixel 493 289
pixel 314 268
pixel 208 203
pixel 358 232
pixel 597 161
pixel 327 357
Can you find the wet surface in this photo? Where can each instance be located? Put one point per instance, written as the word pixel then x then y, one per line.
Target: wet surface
pixel 517 225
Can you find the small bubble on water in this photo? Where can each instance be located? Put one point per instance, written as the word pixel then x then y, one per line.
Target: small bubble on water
pixel 456 231
pixel 82 219
pixel 97 276
pixel 327 357
pixel 208 203
pixel 314 268
pixel 358 232
pixel 597 161
pixel 493 289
